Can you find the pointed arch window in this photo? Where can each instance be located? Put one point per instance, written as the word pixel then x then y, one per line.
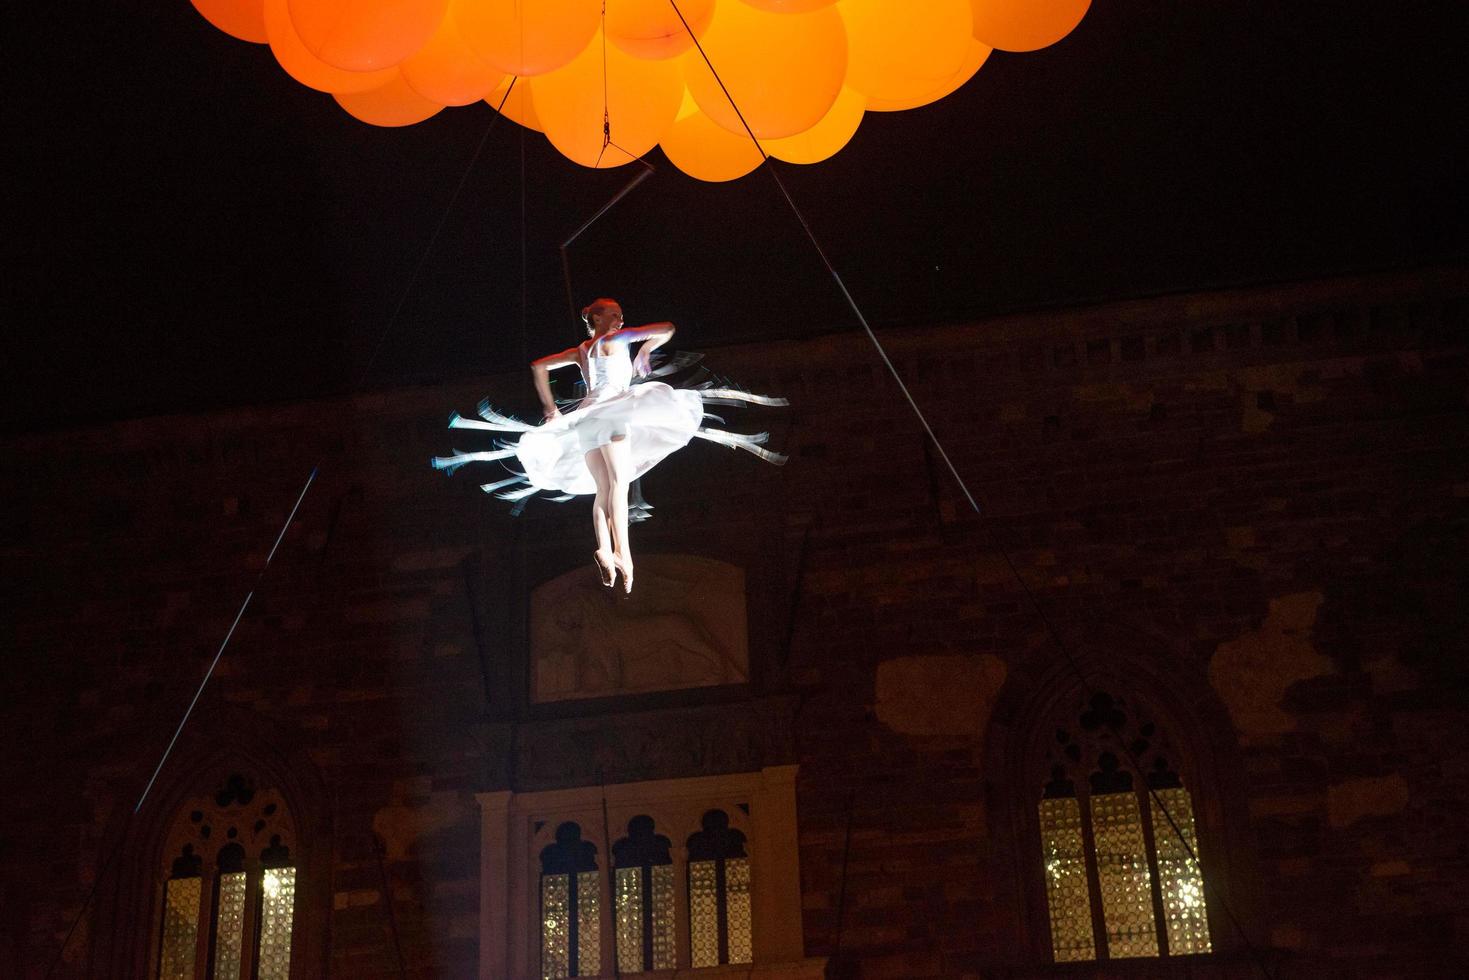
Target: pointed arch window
pixel 228 902
pixel 645 900
pixel 1118 847
pixel 719 894
pixel 571 914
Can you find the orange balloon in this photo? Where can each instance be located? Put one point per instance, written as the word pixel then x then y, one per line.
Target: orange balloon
pixel 528 37
pixel 244 19
pixel 705 150
pixel 363 35
pixel 446 70
pixel 787 6
pixel 901 51
pixel 827 136
pixel 973 61
pixel 1025 25
pixel 304 66
pixel 519 106
pixel 783 70
pixel 395 104
pixel 642 98
pixel 652 29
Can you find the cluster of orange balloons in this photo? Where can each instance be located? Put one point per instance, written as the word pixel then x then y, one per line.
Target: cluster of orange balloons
pixel 803 72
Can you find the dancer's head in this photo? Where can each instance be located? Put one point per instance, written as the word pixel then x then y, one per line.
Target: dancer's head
pixel 601 316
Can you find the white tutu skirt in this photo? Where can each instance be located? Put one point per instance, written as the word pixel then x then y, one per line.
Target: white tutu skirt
pixel 655 419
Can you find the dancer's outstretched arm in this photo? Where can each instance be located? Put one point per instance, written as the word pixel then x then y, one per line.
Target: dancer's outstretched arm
pixel 541 369
pixel 652 336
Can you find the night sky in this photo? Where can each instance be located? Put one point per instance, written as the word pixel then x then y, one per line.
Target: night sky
pixel 188 228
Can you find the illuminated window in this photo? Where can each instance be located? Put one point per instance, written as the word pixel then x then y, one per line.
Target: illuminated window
pixel 228 904
pixel 645 904
pixel 571 918
pixel 1119 852
pixel 719 894
pixel 703 871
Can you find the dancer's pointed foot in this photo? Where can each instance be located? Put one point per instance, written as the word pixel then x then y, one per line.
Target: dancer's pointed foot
pixel 625 567
pixel 606 567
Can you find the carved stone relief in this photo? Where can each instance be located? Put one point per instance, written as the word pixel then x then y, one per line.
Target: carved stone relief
pixel 683 627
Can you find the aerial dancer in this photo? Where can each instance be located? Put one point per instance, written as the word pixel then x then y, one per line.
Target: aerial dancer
pixel 622 428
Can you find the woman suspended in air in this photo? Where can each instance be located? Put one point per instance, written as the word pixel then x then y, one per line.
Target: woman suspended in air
pixel 622 428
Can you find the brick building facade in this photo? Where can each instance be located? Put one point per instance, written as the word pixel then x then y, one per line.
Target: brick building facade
pixel 1243 514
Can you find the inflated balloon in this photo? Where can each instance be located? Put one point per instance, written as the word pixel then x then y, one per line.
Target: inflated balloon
pixel 528 37
pixel 783 70
pixel 516 102
pixel 244 19
pixel 446 70
pixel 394 104
pixel 304 66
pixel 787 6
pixel 903 51
pixel 702 148
pixel 974 59
pixel 826 137
pixel 642 95
pixel 364 35
pixel 1025 25
pixel 802 72
pixel 652 28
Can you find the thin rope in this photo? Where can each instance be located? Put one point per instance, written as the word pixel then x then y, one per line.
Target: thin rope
pixel 1035 603
pixel 606 118
pixel 311 478
pixel 372 359
pixel 611 871
pixel 127 822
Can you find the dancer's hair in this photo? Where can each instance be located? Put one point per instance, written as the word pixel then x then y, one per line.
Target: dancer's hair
pixel 596 305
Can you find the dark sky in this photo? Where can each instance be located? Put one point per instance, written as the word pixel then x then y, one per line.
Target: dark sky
pixel 189 228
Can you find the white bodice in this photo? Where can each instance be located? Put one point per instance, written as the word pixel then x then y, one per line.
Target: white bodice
pixel 608 368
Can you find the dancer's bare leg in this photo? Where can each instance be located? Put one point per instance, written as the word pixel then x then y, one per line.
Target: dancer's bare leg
pixel 605 556
pixel 618 459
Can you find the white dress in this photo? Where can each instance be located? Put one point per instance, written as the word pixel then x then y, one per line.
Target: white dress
pixel 655 418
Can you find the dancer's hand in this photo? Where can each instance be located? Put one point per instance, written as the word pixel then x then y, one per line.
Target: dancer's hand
pixel 642 365
pixel 551 414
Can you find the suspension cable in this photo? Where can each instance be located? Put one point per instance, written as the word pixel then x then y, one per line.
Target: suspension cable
pixel 1030 595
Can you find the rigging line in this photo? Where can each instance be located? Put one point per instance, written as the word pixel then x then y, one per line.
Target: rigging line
pixel 606 118
pixel 379 849
pixel 188 712
pixel 372 359
pixel 611 871
pixel 565 245
pixel 220 653
pixel 841 284
pixel 1051 630
pixel 434 238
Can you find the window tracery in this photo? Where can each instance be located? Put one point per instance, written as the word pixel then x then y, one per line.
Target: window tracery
pixel 645 899
pixel 1118 846
pixel 228 899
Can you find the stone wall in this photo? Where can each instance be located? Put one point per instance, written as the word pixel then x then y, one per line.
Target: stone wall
pixel 1249 507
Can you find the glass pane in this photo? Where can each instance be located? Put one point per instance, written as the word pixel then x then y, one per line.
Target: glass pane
pixel 664 955
pixel 1183 883
pixel 703 915
pixel 277 907
pixel 229 926
pixel 1067 896
pixel 1127 882
pixel 180 929
pixel 555 926
pixel 737 902
pixel 588 924
pixel 630 919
